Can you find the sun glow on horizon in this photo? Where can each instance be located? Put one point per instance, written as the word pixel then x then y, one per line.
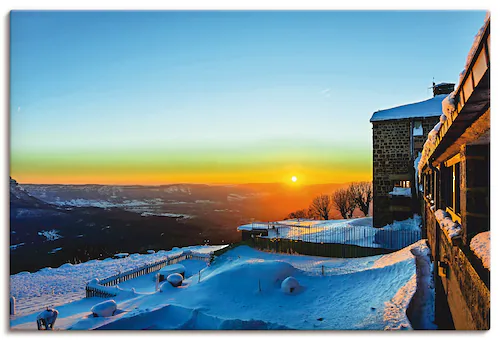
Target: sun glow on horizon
pixel 294 179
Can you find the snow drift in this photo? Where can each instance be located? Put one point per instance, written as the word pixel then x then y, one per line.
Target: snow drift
pixel 242 290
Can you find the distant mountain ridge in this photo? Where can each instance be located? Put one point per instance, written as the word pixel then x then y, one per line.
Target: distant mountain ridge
pixel 258 201
pixel 19 197
pixel 48 235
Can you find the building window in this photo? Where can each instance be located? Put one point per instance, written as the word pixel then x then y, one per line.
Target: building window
pixel 451 187
pixel 429 187
pixel 402 184
pixel 418 130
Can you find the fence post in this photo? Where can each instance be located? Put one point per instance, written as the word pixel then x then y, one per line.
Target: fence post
pixel 12 305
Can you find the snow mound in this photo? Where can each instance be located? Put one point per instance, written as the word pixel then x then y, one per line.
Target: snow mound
pixel 253 274
pixel 165 286
pixel 290 285
pixel 175 279
pixel 104 309
pixel 480 245
pixel 181 318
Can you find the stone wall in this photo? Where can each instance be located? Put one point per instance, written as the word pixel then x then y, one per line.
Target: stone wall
pixel 462 288
pixel 392 161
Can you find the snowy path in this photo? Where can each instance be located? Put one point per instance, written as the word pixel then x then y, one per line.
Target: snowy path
pixel 241 290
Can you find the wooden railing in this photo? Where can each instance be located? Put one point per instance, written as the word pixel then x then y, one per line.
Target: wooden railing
pixel 92 290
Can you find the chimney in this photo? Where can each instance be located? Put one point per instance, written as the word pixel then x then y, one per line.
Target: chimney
pixel 442 88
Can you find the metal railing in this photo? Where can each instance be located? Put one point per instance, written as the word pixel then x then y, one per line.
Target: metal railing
pixel 334 241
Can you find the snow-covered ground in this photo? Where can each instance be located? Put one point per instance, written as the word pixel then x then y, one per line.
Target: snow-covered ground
pixel 480 245
pixel 51 286
pixel 50 235
pixel 146 213
pixel 405 192
pixel 242 290
pixel 80 202
pixel 359 231
pixel 15 246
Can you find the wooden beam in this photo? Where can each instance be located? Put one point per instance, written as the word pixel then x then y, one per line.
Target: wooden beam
pixel 480 127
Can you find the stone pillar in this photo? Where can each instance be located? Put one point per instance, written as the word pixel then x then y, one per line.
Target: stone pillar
pixel 474 190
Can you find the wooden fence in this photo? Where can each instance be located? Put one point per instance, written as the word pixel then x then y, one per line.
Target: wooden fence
pixel 93 291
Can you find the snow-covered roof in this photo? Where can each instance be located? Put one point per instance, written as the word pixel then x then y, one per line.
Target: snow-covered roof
pixel 442 84
pixel 427 108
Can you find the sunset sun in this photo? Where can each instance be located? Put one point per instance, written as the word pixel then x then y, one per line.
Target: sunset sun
pixel 294 179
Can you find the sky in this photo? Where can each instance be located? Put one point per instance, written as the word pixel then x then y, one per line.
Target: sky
pixel 217 97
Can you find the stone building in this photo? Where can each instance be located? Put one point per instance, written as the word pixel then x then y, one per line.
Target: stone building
pixel 455 176
pixel 398 136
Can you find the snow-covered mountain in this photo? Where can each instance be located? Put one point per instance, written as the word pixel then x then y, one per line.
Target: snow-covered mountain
pixel 19 197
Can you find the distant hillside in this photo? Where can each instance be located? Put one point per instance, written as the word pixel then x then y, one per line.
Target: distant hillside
pixel 221 204
pixel 42 234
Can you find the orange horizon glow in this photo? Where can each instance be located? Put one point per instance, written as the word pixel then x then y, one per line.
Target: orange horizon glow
pixel 306 177
pixel 269 163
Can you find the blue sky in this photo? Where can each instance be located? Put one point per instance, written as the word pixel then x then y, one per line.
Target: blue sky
pixel 135 81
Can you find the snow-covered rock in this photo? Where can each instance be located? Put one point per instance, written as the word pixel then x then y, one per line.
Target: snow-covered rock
pixel 480 245
pixel 48 317
pixel 175 279
pixel 290 285
pixel 104 309
pixel 172 269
